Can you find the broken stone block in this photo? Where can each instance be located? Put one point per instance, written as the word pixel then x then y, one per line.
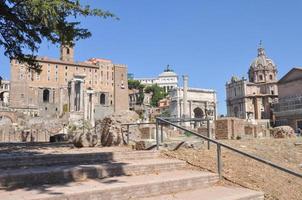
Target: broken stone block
pixel 85 140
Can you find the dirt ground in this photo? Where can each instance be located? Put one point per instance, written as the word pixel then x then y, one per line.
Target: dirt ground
pixel 251 174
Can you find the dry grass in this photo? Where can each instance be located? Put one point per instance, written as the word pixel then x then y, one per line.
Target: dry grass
pixel 251 174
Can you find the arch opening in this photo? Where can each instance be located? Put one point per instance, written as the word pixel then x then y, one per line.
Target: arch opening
pixel 102 99
pixel 45 95
pixel 198 113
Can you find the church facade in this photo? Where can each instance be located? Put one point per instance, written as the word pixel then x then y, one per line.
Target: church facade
pixel 253 98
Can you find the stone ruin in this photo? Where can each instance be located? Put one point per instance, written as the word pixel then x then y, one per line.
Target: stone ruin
pixel 283 132
pixel 30 129
pixel 235 128
pixel 107 132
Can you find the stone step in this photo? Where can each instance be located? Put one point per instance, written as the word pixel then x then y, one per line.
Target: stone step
pixel 72 173
pixel 212 193
pixel 75 158
pixel 117 188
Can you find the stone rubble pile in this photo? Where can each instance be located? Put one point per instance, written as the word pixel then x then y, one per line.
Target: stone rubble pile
pixel 111 131
pixel 283 132
pixel 108 131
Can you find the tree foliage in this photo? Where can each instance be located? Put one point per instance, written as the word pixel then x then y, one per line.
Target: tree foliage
pixel 158 93
pixel 25 23
pixel 135 84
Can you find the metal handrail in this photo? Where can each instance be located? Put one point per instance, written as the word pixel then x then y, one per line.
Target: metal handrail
pixel 219 145
pixel 154 123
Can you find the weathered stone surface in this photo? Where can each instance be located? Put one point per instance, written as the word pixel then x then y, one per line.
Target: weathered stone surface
pixel 283 132
pixel 111 131
pixel 85 140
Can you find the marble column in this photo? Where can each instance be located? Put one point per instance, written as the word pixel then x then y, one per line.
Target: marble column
pixel 61 100
pixel 185 96
pixel 92 110
pixel 81 96
pixel 177 104
pixel 86 106
pixel 72 96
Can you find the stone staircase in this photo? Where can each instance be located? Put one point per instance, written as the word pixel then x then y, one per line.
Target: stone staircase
pixel 110 175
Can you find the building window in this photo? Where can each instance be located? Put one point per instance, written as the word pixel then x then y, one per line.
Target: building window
pixel 102 99
pixel 261 78
pixel 66 68
pixel 272 92
pixel 271 77
pixel 67 51
pixel 45 95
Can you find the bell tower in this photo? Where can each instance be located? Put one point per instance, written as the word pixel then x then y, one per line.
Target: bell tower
pixel 67 53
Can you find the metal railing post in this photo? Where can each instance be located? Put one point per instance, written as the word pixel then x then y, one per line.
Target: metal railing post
pixel 219 161
pixel 128 134
pixel 161 133
pixel 157 135
pixel 209 132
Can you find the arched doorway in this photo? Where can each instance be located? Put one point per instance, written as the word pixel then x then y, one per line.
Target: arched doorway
pixel 102 99
pixel 45 95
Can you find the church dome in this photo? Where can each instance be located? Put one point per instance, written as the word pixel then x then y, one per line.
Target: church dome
pixel 262 69
pixel 262 62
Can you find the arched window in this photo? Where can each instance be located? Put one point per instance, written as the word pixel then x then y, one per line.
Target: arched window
pixel 46 95
pixel 102 99
pixel 67 51
pixel 271 77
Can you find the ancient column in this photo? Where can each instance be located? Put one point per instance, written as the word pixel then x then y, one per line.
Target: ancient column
pixel 72 96
pixel 177 104
pixel 185 96
pixel 61 100
pixel 81 96
pixel 86 106
pixel 92 110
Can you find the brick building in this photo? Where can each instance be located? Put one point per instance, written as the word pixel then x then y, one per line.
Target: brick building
pixel 93 89
pixel 288 110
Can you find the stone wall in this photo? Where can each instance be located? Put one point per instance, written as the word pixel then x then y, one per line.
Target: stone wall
pixel 7 134
pixel 235 128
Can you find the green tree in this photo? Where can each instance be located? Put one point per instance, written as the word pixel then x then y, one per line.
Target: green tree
pixel 135 84
pixel 25 23
pixel 158 93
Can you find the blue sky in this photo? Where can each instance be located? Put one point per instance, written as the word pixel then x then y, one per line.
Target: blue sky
pixel 209 40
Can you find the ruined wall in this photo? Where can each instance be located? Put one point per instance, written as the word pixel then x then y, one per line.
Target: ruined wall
pixel 121 100
pixel 235 128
